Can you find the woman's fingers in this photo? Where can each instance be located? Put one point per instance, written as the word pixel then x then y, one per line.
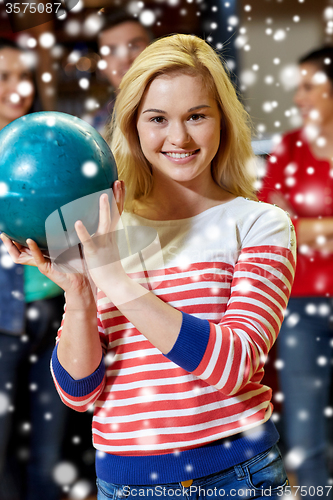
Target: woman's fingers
pixel 12 249
pixel 109 216
pixel 19 246
pixel 104 224
pixel 102 241
pixel 81 231
pixel 84 236
pixel 36 254
pixel 19 253
pixel 33 256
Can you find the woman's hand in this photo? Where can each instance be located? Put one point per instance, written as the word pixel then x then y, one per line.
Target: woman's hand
pixel 18 253
pixel 100 250
pixel 32 256
pixel 71 282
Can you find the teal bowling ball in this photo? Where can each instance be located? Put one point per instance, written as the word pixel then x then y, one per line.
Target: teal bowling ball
pixel 49 161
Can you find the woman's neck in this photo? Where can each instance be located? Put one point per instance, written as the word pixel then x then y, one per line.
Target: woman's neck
pixel 326 130
pixel 179 201
pixel 322 144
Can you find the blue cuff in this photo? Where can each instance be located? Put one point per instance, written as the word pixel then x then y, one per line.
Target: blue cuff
pixel 191 343
pixel 76 388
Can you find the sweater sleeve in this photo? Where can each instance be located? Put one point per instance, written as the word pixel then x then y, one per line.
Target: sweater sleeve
pixel 232 353
pixel 79 394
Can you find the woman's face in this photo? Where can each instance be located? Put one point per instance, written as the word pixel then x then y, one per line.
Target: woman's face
pixel 179 125
pixel 16 86
pixel 314 95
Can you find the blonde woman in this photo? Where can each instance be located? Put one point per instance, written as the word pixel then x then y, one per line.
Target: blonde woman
pixel 174 358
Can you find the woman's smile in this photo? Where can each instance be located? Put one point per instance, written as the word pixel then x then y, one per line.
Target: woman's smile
pixel 181 157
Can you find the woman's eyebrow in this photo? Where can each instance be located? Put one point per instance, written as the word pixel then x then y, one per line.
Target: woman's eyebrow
pixel 153 110
pixel 198 107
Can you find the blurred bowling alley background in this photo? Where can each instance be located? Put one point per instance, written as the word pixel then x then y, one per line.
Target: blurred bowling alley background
pixel 260 41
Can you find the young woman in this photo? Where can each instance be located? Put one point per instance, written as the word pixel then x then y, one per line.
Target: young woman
pixel 300 179
pixel 174 358
pixel 31 308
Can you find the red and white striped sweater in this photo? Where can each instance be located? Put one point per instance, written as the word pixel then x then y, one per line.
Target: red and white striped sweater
pixel 230 271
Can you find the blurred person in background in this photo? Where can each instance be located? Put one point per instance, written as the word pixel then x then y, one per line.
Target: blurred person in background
pixel 31 308
pixel 299 179
pixel 121 40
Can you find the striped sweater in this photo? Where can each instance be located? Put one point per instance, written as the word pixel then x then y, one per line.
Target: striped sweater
pixel 229 270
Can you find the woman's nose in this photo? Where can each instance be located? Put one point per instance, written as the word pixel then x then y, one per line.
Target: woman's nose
pixel 12 84
pixel 178 134
pixel 298 96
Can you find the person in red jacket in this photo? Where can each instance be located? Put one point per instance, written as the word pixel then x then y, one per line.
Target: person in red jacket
pixel 299 179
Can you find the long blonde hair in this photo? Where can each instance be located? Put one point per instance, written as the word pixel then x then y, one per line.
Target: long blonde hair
pixel 192 55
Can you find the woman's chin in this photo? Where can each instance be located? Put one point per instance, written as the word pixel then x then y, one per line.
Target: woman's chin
pixel 16 112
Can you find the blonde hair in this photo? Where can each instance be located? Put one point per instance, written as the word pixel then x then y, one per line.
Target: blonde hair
pixel 191 55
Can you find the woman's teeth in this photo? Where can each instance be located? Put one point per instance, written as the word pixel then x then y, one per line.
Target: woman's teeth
pixel 180 155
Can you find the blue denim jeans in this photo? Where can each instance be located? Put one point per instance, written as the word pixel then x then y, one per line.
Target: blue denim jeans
pixel 305 345
pixel 25 378
pixel 261 476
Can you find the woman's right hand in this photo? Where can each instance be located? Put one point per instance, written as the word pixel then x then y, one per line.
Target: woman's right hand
pixel 32 256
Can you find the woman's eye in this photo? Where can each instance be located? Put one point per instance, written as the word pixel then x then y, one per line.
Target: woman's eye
pixel 158 119
pixel 25 76
pixel 196 117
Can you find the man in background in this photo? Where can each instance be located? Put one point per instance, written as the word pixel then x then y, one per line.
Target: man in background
pixel 121 40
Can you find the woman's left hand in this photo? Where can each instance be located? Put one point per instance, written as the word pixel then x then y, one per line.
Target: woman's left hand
pixel 100 250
